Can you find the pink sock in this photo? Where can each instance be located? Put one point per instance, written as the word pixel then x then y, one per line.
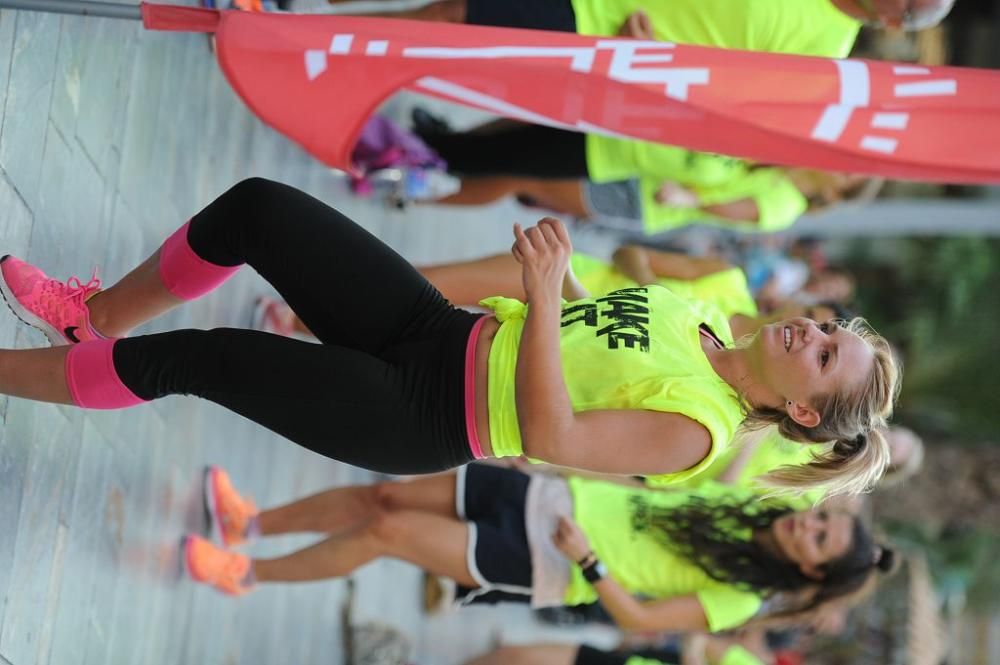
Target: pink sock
pixel 184 273
pixel 92 379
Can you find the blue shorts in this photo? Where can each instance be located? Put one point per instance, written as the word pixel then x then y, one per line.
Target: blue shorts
pixel 492 501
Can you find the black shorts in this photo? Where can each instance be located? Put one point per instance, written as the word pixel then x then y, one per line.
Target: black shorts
pixel 492 500
pixel 591 656
pixel 554 15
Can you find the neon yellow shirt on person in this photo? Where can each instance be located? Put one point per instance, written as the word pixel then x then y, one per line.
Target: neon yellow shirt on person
pixel 637 348
pixel 727 289
pixel 737 655
pixel 610 515
pixel 779 202
pixel 805 27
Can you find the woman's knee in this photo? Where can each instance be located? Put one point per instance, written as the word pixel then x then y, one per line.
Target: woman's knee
pixel 388 529
pixel 387 496
pixel 239 218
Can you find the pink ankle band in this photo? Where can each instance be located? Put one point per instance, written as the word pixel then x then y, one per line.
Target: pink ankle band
pixel 184 273
pixel 92 379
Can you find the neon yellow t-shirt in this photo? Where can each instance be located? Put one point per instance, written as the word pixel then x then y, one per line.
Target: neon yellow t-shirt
pixel 635 348
pixel 737 655
pixel 727 289
pixel 779 202
pixel 639 660
pixel 662 162
pixel 805 27
pixel 607 514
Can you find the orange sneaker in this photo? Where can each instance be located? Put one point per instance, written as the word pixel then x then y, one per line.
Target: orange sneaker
pixel 228 512
pixel 206 563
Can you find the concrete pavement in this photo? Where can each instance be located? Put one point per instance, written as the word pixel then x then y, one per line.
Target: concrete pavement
pixel 110 138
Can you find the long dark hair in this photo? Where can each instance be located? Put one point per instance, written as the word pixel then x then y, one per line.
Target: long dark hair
pixel 717 535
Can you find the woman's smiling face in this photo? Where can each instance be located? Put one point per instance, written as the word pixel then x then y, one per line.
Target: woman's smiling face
pixel 799 359
pixel 813 538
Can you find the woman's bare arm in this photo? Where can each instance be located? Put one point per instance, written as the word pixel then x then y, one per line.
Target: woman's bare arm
pixel 625 441
pixel 733 470
pixel 645 265
pixel 741 210
pixel 682 613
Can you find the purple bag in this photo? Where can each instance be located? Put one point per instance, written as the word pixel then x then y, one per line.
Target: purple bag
pixel 382 145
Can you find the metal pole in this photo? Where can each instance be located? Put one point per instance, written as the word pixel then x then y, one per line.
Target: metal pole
pixel 78 7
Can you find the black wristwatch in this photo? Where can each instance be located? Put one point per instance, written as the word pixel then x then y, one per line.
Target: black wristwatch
pixel 595 572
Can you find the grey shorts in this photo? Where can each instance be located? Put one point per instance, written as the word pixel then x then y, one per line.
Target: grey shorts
pixel 619 200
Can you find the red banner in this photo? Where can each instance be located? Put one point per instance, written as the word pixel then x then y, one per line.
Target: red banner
pixel 317 78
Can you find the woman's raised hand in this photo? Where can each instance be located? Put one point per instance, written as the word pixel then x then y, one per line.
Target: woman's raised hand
pixel 543 252
pixel 638 26
pixel 570 540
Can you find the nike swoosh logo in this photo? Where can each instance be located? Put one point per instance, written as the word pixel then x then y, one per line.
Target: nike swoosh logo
pixel 70 332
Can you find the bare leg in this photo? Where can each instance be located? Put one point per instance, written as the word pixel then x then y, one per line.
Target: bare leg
pixel 136 298
pixel 344 508
pixel 430 541
pixel 674 265
pixel 301 328
pixel 38 374
pixel 563 195
pixel 539 654
pixel 468 282
pixel 481 191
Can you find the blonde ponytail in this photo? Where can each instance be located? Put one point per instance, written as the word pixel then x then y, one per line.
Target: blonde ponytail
pixel 850 466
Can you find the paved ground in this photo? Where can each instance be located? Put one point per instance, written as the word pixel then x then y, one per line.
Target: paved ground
pixel 111 137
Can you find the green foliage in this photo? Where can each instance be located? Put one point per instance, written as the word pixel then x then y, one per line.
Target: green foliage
pixel 963 562
pixel 938 299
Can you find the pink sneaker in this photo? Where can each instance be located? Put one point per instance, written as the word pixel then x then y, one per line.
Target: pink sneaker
pixel 229 572
pixel 229 513
pixel 56 308
pixel 272 316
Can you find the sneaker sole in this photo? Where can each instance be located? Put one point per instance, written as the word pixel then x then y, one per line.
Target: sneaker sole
pixel 55 337
pixel 212 508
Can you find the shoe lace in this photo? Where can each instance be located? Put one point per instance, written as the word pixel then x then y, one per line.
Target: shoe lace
pixel 77 290
pixel 55 294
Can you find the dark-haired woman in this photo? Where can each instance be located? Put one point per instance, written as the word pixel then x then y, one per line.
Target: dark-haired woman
pixel 711 560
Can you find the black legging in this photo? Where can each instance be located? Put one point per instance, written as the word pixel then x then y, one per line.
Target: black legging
pixel 552 15
pixel 529 151
pixel 385 388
